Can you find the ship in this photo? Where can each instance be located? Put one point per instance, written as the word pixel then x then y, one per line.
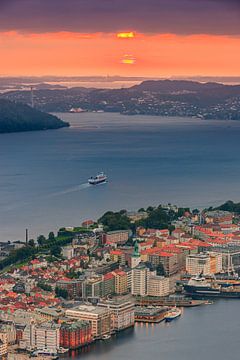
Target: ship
pixel 174 313
pixel 98 179
pixel 200 287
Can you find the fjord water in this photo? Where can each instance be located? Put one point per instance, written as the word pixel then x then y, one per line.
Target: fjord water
pixel 208 332
pixel 149 160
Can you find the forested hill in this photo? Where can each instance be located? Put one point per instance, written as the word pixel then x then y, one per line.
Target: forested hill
pixel 15 117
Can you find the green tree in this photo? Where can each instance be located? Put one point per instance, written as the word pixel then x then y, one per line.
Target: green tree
pixel 56 250
pixel 41 240
pixel 31 243
pixel 51 236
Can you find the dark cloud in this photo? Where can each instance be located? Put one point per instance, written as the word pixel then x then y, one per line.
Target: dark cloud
pixel 148 16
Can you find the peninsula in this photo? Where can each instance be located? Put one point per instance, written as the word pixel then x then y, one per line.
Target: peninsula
pixel 16 117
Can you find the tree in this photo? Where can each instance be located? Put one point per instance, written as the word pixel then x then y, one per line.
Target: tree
pixel 56 250
pixel 141 210
pixel 31 243
pixel 41 240
pixel 51 236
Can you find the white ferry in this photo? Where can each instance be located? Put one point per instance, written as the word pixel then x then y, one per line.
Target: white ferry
pixel 98 179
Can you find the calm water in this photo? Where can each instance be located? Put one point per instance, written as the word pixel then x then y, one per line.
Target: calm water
pixel 149 160
pixel 210 332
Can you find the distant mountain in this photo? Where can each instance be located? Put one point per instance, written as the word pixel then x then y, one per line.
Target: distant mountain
pixel 168 86
pixel 15 117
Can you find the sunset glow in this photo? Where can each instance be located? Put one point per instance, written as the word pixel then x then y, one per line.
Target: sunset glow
pixel 72 53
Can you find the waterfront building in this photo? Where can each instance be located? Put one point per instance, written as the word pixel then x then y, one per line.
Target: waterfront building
pixel 42 336
pixel 99 317
pixel 158 285
pixel 122 309
pixel 150 315
pixel 140 276
pixel 198 264
pixel 75 334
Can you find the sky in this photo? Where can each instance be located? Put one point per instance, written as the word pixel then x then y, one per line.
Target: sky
pixel 120 37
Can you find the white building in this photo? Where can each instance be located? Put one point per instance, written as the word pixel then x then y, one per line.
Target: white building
pixel 68 252
pixel 122 309
pixel 198 264
pixel 158 285
pixel 42 336
pixel 140 276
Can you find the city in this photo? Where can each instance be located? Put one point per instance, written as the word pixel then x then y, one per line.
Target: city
pixel 103 282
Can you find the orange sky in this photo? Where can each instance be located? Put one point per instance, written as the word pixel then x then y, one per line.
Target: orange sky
pixel 66 53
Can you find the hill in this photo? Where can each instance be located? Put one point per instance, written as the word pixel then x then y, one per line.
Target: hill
pixel 16 117
pixel 160 97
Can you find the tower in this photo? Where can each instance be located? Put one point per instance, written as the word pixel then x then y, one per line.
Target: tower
pixel 32 99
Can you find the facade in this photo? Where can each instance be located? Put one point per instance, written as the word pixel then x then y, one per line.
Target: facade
pixel 198 264
pixel 122 312
pixel 108 285
pixel 116 237
pixel 121 282
pixel 68 252
pixel 92 288
pixel 3 344
pixel 158 286
pixel 100 318
pixel 75 334
pixel 73 287
pixel 42 336
pixel 140 276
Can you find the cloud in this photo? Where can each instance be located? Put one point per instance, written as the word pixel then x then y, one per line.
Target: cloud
pixel 145 16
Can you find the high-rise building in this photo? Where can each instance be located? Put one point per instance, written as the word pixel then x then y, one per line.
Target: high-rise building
pixel 140 276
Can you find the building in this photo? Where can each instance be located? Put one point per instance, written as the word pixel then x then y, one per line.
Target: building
pixel 49 314
pixel 121 282
pixel 68 252
pixel 42 336
pixel 73 287
pixel 168 260
pixel 118 256
pixel 75 334
pixel 140 276
pixel 198 264
pixel 116 237
pixel 99 317
pixel 136 257
pixel 92 288
pixel 108 285
pixel 3 344
pixel 122 309
pixel 158 285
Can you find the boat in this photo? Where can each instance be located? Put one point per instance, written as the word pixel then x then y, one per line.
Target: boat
pixel 200 287
pixel 62 350
pixel 172 314
pixel 45 352
pixel 98 179
pixel 106 337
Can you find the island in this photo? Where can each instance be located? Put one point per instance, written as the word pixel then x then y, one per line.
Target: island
pixel 16 117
